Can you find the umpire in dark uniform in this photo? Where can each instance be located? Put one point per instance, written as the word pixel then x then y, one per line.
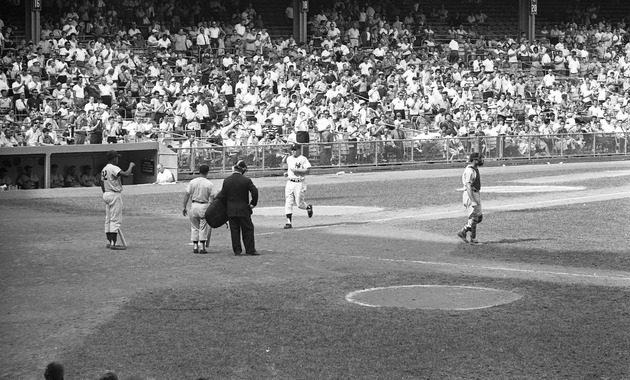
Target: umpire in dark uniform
pixel 235 193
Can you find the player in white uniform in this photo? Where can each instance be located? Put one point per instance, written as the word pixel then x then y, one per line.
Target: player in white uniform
pixel 200 192
pixel 471 198
pixel 111 185
pixel 298 167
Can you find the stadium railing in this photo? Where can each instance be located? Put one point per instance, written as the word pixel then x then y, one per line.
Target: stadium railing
pixel 416 150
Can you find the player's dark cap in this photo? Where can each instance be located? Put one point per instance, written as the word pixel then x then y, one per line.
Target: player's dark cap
pixel 111 155
pixel 54 370
pixel 204 169
pixel 474 156
pixel 295 146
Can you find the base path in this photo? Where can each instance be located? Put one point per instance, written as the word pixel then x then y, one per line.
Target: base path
pixel 320 210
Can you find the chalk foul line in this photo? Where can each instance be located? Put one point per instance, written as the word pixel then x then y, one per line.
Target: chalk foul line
pixel 622 278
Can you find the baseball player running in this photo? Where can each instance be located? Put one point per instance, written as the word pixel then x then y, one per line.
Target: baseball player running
pixel 471 198
pixel 200 192
pixel 111 184
pixel 298 167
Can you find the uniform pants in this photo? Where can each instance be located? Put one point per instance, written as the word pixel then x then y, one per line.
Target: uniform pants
pixel 199 228
pixel 474 212
pixel 113 211
pixel 242 225
pixel 294 194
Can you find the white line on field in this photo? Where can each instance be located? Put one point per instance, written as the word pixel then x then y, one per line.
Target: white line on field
pixel 513 205
pixel 497 268
pixel 516 206
pixel 596 196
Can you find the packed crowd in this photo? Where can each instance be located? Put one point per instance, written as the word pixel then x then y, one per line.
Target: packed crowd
pixel 365 74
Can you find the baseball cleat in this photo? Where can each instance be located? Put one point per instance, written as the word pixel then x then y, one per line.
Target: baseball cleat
pixel 118 247
pixel 203 251
pixel 287 226
pixel 108 245
pixel 474 242
pixel 462 235
pixel 195 250
pixel 309 211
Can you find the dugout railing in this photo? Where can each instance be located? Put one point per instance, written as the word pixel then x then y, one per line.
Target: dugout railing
pixel 421 148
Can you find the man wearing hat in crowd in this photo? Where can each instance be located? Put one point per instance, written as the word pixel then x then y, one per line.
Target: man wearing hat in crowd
pixel 471 180
pixel 6 103
pixel 236 193
pixel 111 184
pixel 301 129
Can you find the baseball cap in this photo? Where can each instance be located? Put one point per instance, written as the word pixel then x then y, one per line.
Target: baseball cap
pixel 295 146
pixel 111 155
pixel 474 156
pixel 241 165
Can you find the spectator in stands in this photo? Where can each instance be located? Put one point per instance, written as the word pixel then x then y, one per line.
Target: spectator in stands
pixel 164 175
pixel 6 103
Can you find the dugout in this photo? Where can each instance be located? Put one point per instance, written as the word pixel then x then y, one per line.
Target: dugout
pixel 146 155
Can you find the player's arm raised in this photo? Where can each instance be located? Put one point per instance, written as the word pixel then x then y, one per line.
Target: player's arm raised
pixel 128 172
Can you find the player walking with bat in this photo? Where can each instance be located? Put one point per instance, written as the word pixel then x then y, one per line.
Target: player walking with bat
pixel 298 167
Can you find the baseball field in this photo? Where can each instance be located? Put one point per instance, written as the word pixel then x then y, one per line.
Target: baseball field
pixel 375 286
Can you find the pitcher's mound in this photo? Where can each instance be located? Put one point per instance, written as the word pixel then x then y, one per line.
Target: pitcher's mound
pixel 432 297
pixel 317 210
